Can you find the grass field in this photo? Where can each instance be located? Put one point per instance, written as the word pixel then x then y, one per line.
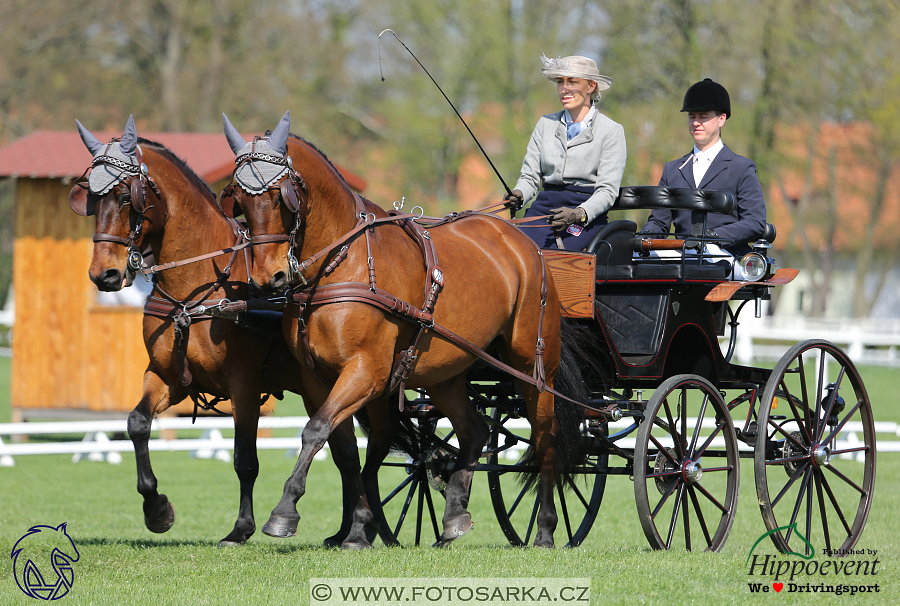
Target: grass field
pixel 123 563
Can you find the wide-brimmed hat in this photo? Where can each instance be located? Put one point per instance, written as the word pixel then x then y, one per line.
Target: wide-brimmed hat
pixel 575 67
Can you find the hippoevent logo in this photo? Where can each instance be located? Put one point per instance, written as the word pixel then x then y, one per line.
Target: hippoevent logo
pixel 839 574
pixel 42 562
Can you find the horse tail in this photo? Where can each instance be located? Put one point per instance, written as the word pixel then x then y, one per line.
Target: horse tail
pixel 581 371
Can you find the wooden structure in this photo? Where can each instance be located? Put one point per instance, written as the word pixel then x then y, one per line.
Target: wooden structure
pixel 72 356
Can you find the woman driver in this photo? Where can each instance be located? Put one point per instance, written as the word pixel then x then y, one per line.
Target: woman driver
pixel 577 154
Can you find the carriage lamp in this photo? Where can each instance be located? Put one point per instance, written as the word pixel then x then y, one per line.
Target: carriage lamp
pixel 754 266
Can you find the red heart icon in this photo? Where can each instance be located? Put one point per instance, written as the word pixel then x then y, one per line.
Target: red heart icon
pixel 778 586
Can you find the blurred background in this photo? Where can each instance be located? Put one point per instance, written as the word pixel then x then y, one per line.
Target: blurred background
pixel 814 87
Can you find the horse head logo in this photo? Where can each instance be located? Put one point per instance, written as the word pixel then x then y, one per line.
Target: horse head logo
pixel 39 544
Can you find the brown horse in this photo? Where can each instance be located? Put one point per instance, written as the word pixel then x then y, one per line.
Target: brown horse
pixel 492 296
pixel 167 207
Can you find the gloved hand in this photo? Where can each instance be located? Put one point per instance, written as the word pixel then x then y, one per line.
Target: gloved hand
pixel 562 218
pixel 515 199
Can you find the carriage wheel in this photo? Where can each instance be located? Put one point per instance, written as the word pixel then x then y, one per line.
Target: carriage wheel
pixel 412 488
pixel 686 466
pixel 814 476
pixel 577 498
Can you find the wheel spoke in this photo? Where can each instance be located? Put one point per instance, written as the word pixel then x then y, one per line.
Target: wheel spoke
pixel 663 450
pixel 565 510
pixel 804 393
pixel 675 511
pixel 820 378
pixel 797 504
pixel 700 517
pixel 709 440
pixel 845 479
pixel 711 498
pixel 711 469
pixel 790 483
pixel 840 425
pixel 846 450
pixel 664 498
pixel 402 485
pixel 409 496
pixel 834 394
pixel 534 513
pixel 577 492
pixel 517 501
pixel 673 431
pixel 434 524
pixel 834 504
pixel 809 504
pixel 787 392
pixel 419 509
pixel 696 435
pixel 821 499
pixel 687 524
pixel 788 436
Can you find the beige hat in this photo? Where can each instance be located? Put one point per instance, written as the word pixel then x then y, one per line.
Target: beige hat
pixel 575 67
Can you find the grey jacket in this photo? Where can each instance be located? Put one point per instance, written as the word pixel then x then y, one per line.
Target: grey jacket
pixel 595 158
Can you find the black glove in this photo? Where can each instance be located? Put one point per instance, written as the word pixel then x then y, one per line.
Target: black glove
pixel 563 217
pixel 515 200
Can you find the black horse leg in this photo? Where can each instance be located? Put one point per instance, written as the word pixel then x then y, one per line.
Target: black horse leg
pixel 246 466
pixel 284 518
pixel 159 515
pixel 381 433
pixel 452 400
pixel 356 525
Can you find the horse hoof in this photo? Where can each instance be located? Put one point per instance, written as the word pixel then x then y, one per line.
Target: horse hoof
pixel 455 528
pixel 281 527
pixel 333 541
pixel 355 545
pixel 163 523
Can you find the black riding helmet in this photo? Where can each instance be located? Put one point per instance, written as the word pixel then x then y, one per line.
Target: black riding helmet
pixel 705 96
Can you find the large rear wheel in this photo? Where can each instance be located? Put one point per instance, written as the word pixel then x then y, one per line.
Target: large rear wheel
pixel 814 461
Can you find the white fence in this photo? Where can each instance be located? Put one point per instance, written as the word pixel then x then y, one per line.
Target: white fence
pixel 97 446
pixel 866 342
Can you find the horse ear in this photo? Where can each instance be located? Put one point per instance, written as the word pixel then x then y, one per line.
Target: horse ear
pixel 289 195
pixel 129 138
pixel 78 200
pixel 279 137
pixel 228 204
pixel 235 140
pixel 90 141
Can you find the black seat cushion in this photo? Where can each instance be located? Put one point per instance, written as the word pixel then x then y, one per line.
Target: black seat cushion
pixel 674 198
pixel 711 271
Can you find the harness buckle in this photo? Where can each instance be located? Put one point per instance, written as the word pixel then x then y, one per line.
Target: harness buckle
pixel 135 260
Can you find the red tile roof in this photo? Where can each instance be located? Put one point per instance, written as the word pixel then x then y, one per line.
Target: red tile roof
pixel 61 154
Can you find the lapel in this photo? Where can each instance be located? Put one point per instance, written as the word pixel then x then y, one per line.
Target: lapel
pixel 687 169
pixel 720 162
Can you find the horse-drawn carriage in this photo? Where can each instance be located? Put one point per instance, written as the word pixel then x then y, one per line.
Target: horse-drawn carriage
pixel 636 323
pixel 659 321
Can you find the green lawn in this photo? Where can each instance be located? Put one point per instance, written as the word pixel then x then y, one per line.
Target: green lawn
pixel 122 562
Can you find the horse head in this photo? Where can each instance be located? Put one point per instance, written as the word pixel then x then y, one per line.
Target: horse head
pixel 273 198
pixel 126 201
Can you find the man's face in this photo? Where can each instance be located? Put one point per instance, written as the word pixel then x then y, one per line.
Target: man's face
pixel 705 128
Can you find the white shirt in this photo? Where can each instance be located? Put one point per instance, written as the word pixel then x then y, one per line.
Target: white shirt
pixel 702 160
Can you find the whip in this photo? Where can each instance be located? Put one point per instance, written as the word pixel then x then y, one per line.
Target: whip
pixel 496 172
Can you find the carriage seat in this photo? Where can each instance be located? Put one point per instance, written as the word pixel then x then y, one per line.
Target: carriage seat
pixel 615 242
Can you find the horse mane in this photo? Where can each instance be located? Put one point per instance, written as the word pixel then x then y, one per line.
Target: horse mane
pixel 181 164
pixel 324 157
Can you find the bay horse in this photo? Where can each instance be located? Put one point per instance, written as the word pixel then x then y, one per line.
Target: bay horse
pixel 493 290
pixel 144 196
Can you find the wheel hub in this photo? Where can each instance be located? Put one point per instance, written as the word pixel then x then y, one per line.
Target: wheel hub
pixel 692 471
pixel 820 455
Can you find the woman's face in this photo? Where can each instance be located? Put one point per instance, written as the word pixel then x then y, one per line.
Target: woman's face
pixel 574 93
